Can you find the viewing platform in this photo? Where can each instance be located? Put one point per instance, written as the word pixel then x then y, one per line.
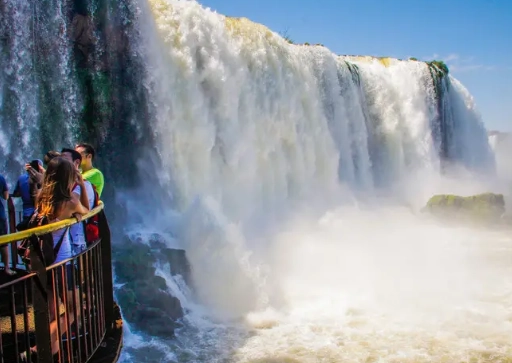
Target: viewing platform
pixel 26 305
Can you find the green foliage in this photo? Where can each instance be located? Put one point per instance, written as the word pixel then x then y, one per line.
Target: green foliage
pixel 286 36
pixel 438 68
pixel 481 208
pixel 413 59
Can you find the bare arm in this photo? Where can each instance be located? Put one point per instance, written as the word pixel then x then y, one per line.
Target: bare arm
pixel 76 206
pixel 84 198
pixel 5 195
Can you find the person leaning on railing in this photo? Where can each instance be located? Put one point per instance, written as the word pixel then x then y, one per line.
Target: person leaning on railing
pixel 78 242
pixel 56 201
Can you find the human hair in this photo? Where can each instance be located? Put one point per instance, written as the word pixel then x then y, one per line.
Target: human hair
pixel 87 148
pixel 75 155
pixel 49 156
pixel 55 191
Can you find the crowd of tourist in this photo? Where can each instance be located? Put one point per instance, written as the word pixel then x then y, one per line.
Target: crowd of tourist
pixel 64 185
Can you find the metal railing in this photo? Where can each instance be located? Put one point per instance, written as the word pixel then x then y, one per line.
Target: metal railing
pixel 63 311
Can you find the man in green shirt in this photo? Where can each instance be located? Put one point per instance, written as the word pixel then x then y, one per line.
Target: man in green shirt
pixel 90 173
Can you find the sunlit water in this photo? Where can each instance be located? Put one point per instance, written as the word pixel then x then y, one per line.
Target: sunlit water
pixel 363 286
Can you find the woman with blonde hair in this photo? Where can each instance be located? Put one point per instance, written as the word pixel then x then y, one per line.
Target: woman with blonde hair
pixel 57 202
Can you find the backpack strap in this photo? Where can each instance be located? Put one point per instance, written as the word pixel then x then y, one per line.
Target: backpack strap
pixel 57 248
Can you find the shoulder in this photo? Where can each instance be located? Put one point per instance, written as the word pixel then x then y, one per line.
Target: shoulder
pixel 23 178
pixel 77 189
pixel 97 173
pixel 88 186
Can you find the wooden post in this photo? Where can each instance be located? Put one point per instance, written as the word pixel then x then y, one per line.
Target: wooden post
pixel 108 283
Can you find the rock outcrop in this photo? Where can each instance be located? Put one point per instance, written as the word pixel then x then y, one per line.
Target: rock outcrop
pixel 144 297
pixel 487 208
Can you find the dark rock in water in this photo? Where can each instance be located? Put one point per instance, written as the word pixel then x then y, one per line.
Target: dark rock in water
pixel 176 258
pixel 133 262
pixel 487 208
pixel 155 322
pixel 179 263
pixel 144 299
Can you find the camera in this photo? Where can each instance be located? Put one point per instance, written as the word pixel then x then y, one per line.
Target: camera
pixel 34 164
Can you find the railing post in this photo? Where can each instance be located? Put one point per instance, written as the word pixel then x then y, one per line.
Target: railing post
pixel 108 283
pixel 40 301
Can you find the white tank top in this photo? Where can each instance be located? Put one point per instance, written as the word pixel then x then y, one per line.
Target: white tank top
pixel 65 251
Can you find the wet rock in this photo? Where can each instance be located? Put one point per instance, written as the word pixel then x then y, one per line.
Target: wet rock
pixel 177 259
pixel 81 33
pixel 155 322
pixel 143 297
pixel 487 208
pixel 179 263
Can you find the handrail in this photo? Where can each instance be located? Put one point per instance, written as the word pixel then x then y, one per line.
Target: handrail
pixel 52 227
pixel 39 308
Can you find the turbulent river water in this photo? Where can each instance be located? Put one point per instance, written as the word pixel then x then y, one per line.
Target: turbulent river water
pixel 355 285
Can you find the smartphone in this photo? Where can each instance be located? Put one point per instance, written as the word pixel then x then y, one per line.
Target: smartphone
pixel 34 164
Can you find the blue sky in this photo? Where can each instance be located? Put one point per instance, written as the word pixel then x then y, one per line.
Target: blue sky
pixel 474 37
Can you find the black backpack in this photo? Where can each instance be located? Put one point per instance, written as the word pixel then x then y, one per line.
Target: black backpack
pixel 44 241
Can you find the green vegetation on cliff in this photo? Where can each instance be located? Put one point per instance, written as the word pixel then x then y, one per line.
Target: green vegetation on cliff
pixel 487 208
pixel 438 68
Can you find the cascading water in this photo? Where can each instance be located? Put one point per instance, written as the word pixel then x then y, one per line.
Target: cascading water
pixel 68 74
pixel 257 139
pixel 290 175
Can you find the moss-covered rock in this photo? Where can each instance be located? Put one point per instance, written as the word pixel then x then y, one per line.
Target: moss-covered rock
pixel 438 68
pixel 144 298
pixel 487 208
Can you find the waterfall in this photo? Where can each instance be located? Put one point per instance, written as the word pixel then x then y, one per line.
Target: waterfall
pixel 255 122
pixel 251 129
